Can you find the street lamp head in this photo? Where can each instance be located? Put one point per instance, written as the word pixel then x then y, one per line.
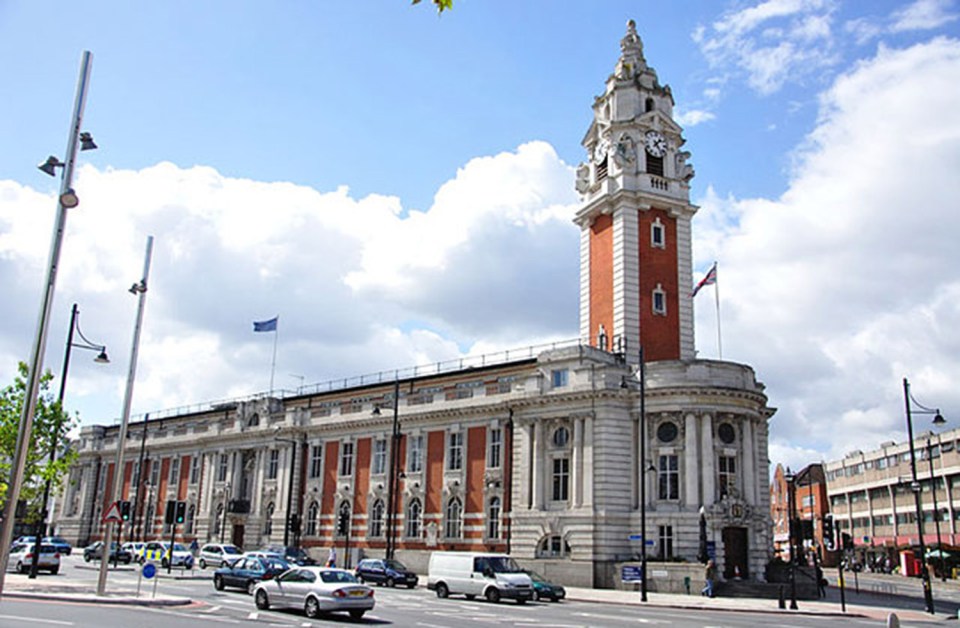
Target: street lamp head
pixel 69 199
pixel 50 165
pixel 938 418
pixel 102 357
pixel 86 142
pixel 376 410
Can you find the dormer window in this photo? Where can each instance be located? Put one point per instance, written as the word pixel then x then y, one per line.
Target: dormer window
pixel 657 235
pixel 659 301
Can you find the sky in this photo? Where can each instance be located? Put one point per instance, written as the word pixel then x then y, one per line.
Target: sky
pixel 397 186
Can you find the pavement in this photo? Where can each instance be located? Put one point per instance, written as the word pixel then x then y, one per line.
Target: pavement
pixel 877 607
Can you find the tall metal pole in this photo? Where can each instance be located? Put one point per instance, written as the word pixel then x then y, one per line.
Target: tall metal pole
pixel 138 506
pixel 936 511
pixel 25 430
pixel 139 289
pixel 643 478
pixel 394 460
pixel 293 465
pixel 915 487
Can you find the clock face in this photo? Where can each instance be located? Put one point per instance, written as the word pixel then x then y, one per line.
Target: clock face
pixel 655 144
pixel 600 150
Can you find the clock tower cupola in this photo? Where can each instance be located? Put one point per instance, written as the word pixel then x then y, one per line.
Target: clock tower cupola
pixel 635 240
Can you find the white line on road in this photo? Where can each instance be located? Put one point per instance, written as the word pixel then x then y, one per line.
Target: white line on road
pixel 38 621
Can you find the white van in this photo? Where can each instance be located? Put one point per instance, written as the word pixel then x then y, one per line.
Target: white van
pixel 492 576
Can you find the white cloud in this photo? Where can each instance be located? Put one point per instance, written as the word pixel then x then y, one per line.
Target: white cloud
pixel 359 285
pixel 847 283
pixel 923 15
pixel 693 117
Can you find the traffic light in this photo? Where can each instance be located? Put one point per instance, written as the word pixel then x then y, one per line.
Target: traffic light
pixel 293 523
pixel 342 523
pixel 181 514
pixel 125 511
pixel 829 541
pixel 170 514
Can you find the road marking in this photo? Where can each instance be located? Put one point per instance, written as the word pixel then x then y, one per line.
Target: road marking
pixel 38 621
pixel 212 609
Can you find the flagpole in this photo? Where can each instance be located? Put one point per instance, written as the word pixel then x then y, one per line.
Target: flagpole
pixel 716 293
pixel 273 365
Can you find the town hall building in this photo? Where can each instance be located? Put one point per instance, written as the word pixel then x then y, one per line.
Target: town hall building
pixel 559 455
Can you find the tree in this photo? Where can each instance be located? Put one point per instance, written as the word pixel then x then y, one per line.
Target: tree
pixel 51 424
pixel 441 4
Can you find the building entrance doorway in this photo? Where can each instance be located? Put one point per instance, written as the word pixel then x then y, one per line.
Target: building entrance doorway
pixel 735 553
pixel 237 536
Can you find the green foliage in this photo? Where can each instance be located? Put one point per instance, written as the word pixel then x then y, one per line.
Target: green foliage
pixel 50 421
pixel 442 5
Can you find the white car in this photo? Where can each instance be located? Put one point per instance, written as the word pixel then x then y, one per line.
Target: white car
pixel 159 552
pixel 316 590
pixel 21 557
pixel 135 548
pixel 218 555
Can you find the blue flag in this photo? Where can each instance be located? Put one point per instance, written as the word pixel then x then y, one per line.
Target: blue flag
pixel 268 325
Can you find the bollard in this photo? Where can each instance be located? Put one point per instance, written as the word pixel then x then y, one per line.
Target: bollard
pixel 780 602
pixel 686 584
pixel 893 621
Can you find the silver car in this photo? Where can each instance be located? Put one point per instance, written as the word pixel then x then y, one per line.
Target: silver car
pixel 219 555
pixel 317 590
pixel 21 558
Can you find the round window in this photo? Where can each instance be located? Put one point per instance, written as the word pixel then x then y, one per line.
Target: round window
pixel 561 437
pixel 726 433
pixel 667 432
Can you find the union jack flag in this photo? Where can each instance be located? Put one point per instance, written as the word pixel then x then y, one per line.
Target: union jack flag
pixel 709 279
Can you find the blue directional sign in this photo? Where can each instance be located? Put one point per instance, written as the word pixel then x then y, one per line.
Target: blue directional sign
pixel 635 537
pixel 631 573
pixel 149 570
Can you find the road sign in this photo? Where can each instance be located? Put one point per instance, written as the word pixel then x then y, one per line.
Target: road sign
pixel 149 570
pixel 113 514
pixel 631 573
pixel 635 537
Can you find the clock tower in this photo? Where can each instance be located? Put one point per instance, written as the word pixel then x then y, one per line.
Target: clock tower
pixel 635 240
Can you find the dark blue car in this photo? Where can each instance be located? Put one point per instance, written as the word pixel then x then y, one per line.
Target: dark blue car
pixel 386 572
pixel 247 572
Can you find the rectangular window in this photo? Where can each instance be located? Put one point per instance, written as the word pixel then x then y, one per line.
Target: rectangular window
pixel 316 460
pixel 175 471
pixel 455 451
pixel 727 466
pixel 379 456
pixel 560 378
pixel 669 477
pixel 659 301
pixel 221 468
pixel 154 473
pixel 493 454
pixel 195 468
pixel 807 501
pixel 415 457
pixel 346 459
pixel 135 476
pixel 561 479
pixel 273 462
pixel 666 542
pixel 656 235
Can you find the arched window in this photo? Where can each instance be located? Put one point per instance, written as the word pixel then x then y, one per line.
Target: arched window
pixel 268 520
pixel 376 519
pixel 313 517
pixel 453 521
pixel 493 518
pixel 413 519
pixel 191 514
pixel 553 546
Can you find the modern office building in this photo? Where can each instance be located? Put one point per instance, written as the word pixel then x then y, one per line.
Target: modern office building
pixel 536 452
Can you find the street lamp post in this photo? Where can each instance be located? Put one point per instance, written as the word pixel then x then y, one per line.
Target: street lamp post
pixel 908 401
pixel 67 199
pixel 393 478
pixel 791 480
pixel 936 511
pixel 101 358
pixel 641 373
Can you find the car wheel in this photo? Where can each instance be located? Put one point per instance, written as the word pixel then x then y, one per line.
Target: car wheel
pixel 357 613
pixel 411 585
pixel 390 583
pixel 521 600
pixel 55 571
pixel 163 563
pixel 261 600
pixel 218 582
pixel 537 596
pixel 203 564
pixel 20 568
pixel 86 558
pixel 470 596
pixel 311 608
pixel 492 595
pixel 555 599
pixel 251 585
pixel 442 591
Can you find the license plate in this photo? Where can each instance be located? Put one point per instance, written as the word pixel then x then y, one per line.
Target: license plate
pixel 358 593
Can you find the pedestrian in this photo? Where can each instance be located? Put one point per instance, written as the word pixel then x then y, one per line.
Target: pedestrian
pixel 709 574
pixel 821 582
pixel 332 557
pixel 194 547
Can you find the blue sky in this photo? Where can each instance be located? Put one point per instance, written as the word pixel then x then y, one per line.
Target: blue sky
pixel 398 186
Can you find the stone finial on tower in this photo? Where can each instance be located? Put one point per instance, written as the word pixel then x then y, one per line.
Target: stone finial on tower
pixel 631 53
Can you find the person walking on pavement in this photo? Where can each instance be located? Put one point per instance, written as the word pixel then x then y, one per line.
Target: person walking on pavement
pixel 710 574
pixel 821 582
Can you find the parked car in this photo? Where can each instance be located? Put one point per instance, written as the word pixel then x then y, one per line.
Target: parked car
pixel 543 589
pixel 20 540
pixel 263 554
pixel 94 551
pixel 245 573
pixel 385 571
pixel 218 555
pixel 21 557
pixel 316 590
pixel 493 576
pixel 291 554
pixel 135 548
pixel 62 545
pixel 159 552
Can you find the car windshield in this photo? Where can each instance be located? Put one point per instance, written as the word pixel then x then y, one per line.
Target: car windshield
pixel 178 547
pixel 337 576
pixel 396 565
pixel 536 577
pixel 276 565
pixel 503 564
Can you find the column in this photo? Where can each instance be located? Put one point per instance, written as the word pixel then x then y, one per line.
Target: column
pixel 690 461
pixel 578 477
pixel 588 461
pixel 707 459
pixel 537 465
pixel 524 470
pixel 749 464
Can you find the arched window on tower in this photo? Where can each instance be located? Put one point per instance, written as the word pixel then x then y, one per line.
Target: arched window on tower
pixel 453 521
pixel 648 105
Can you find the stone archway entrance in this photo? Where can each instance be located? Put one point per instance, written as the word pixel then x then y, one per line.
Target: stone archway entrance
pixel 237 536
pixel 735 553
